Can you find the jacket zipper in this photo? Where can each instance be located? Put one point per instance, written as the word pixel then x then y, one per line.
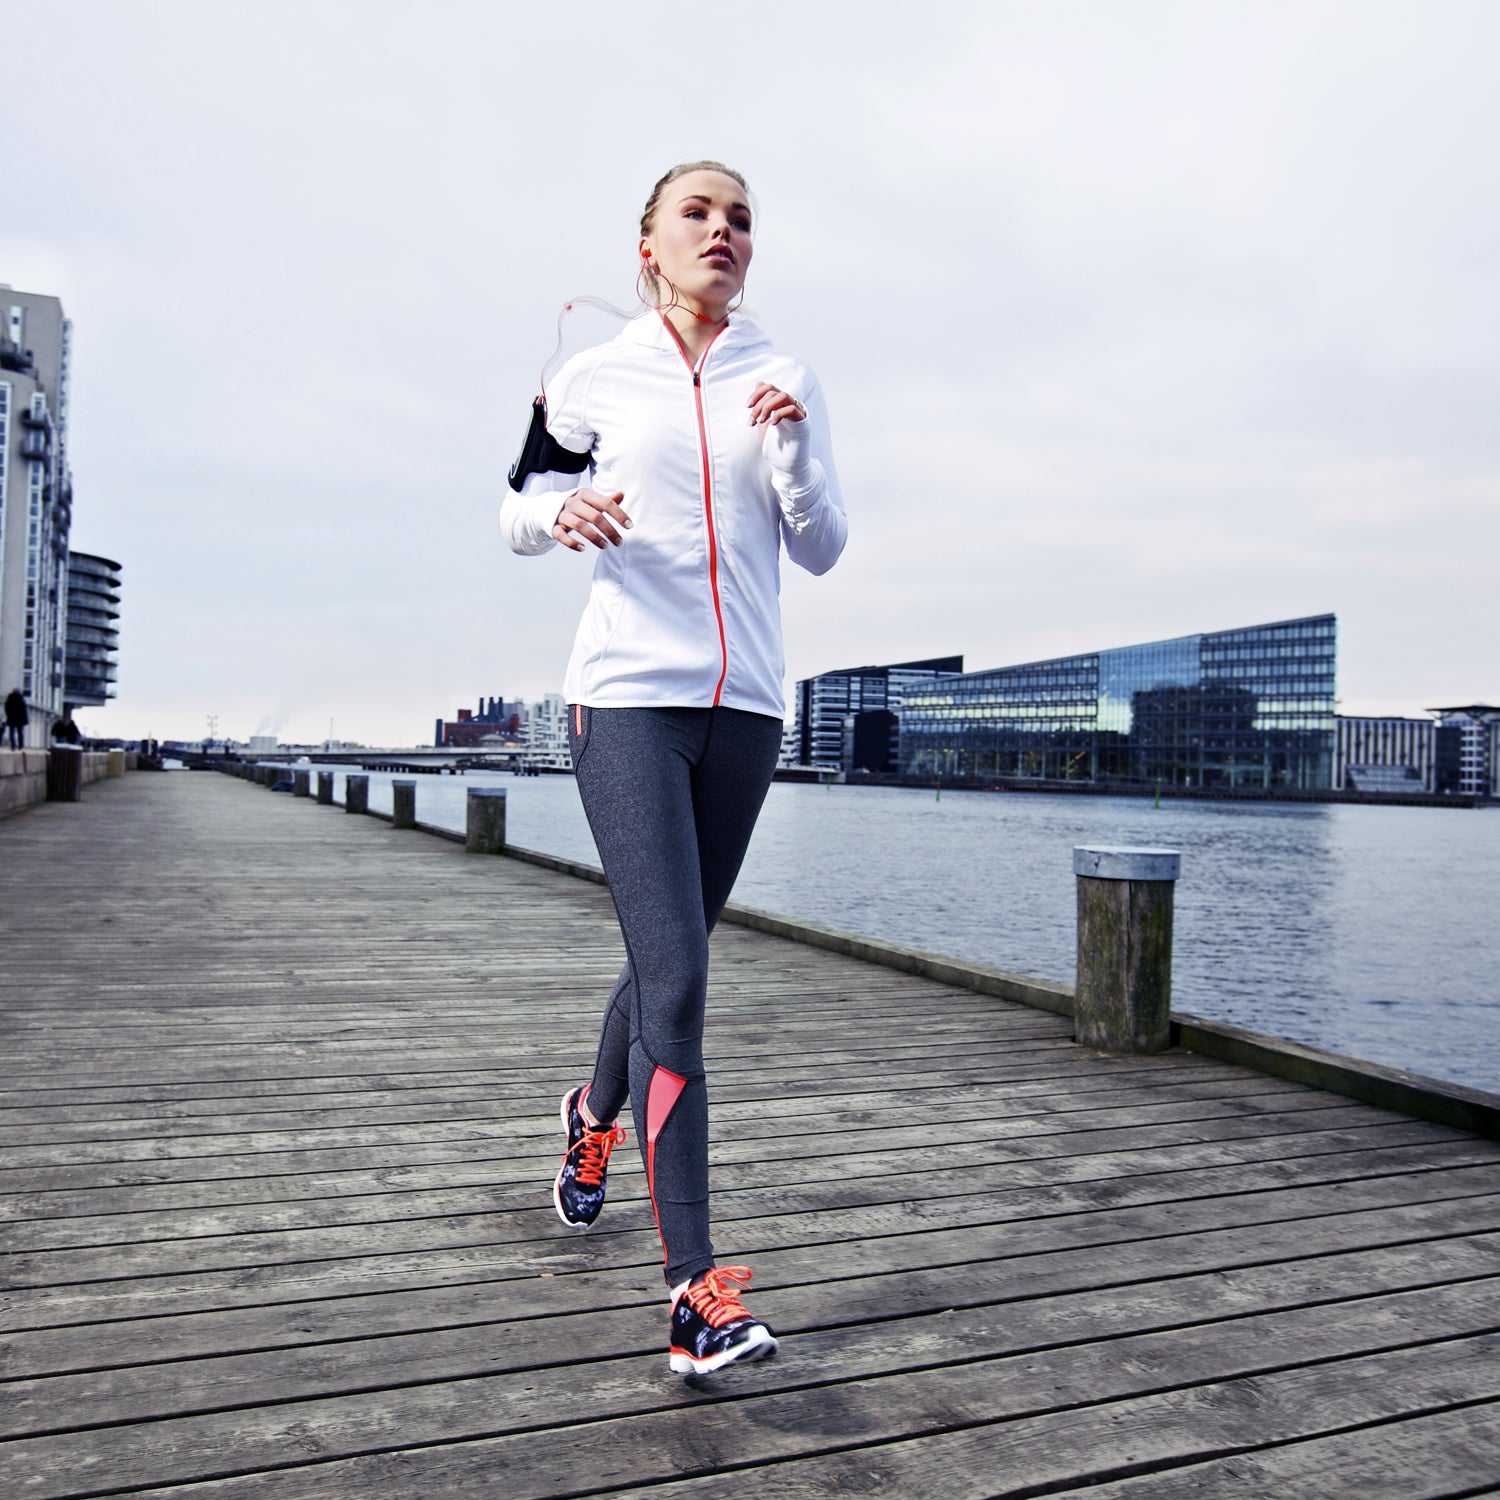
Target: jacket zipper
pixel 708 500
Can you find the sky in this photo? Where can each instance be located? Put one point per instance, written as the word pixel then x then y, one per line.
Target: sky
pixel 1134 320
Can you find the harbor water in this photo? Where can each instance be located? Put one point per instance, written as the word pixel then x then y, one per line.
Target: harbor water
pixel 1369 931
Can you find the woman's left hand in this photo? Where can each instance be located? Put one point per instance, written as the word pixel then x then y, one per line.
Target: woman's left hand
pixel 768 404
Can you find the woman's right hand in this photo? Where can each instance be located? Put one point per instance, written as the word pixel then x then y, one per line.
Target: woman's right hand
pixel 587 516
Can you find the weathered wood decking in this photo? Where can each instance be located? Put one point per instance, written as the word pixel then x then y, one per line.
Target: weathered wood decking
pixel 278 1114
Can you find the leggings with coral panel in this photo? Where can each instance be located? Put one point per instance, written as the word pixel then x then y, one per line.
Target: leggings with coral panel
pixel 672 795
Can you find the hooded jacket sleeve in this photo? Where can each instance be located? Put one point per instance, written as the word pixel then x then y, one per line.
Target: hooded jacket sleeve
pixel 814 526
pixel 527 515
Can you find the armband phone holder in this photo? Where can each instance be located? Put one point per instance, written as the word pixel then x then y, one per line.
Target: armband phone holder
pixel 541 453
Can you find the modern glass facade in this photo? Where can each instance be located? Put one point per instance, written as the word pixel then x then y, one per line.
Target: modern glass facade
pixel 1233 708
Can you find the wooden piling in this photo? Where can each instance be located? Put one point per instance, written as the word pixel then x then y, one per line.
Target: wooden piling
pixel 403 804
pixel 301 783
pixel 64 773
pixel 1123 996
pixel 356 794
pixel 485 827
pixel 325 788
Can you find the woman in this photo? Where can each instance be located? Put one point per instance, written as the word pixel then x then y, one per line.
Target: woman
pixel 706 450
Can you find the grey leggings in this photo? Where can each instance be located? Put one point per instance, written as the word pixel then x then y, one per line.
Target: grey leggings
pixel 672 795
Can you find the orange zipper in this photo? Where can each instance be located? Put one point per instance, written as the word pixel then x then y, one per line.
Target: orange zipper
pixel 708 499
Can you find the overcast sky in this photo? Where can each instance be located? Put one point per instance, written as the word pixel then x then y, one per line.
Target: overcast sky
pixel 1134 320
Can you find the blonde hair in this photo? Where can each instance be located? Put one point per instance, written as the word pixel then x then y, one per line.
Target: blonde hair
pixel 653 203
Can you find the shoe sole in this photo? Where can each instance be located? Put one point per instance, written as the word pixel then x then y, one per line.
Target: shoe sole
pixel 760 1345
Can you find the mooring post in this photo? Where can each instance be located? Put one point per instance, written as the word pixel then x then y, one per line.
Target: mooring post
pixel 301 783
pixel 1123 997
pixel 485 829
pixel 356 794
pixel 65 774
pixel 403 804
pixel 325 788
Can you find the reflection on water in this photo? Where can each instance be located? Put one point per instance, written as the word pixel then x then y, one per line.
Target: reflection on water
pixel 1367 930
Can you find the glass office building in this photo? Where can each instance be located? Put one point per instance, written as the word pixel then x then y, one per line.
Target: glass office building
pixel 1231 708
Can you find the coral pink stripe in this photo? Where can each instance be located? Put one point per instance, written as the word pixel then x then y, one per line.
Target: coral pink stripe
pixel 665 1089
pixel 662 1094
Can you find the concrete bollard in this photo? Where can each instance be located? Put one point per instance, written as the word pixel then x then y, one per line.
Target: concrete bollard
pixel 403 804
pixel 301 783
pixel 485 830
pixel 356 794
pixel 116 763
pixel 1123 997
pixel 325 788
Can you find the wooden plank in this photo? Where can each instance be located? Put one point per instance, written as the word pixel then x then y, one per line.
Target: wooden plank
pixel 514 1167
pixel 1054 1285
pixel 1424 1457
pixel 158 1382
pixel 1069 1185
pixel 1073 1412
pixel 800 1092
pixel 621 1268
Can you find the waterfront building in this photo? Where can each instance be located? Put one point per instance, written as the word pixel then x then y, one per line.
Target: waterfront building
pixel 1468 749
pixel 495 721
pixel 1252 707
pixel 1384 755
pixel 36 499
pixel 789 747
pixel 545 734
pixel 92 638
pixel 849 719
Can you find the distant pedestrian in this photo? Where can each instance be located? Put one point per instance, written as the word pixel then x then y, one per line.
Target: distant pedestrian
pixel 688 451
pixel 16 718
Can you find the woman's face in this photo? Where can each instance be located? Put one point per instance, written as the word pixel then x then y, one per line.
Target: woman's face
pixel 700 239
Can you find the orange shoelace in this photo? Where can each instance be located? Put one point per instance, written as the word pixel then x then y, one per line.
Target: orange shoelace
pixel 593 1154
pixel 716 1299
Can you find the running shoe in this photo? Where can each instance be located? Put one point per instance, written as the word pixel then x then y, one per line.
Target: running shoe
pixel 711 1327
pixel 579 1189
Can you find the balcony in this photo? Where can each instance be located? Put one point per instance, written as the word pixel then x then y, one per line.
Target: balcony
pixel 21 361
pixel 34 443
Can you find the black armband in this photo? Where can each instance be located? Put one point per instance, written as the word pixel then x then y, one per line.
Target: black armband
pixel 541 453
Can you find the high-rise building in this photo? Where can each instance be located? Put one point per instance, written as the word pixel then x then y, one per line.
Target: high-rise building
pixel 93 639
pixel 850 718
pixel 1231 708
pixel 36 497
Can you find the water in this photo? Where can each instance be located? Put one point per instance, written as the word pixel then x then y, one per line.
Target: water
pixel 1370 931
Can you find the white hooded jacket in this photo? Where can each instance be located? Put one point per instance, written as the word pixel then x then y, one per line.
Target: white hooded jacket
pixel 686 612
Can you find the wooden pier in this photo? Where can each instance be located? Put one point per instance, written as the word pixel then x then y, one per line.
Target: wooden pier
pixel 279 1125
